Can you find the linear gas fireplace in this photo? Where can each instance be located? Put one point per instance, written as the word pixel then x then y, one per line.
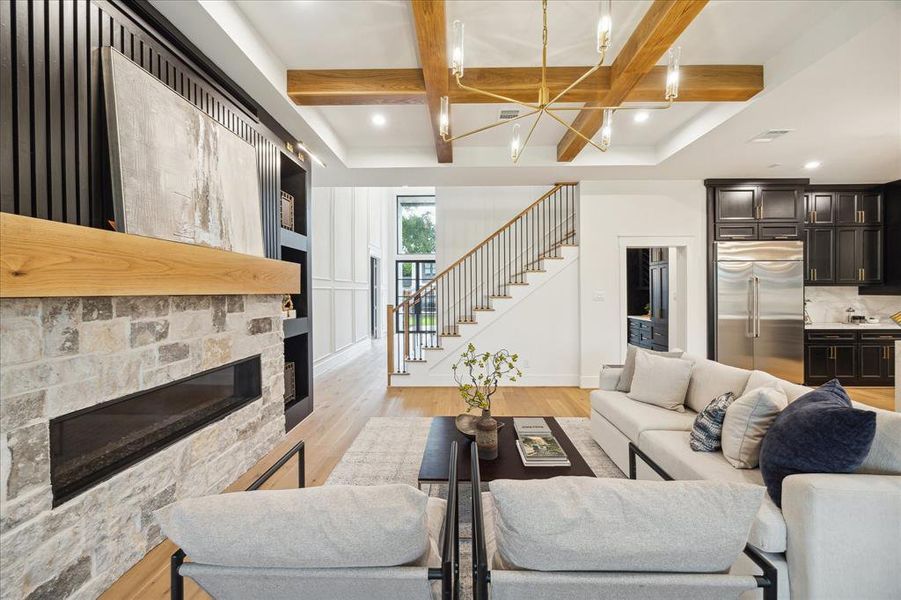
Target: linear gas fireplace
pixel 91 445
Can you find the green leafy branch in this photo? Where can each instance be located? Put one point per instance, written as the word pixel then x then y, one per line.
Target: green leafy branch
pixel 478 373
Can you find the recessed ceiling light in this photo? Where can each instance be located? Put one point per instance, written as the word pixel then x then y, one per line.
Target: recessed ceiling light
pixel 642 116
pixel 813 164
pixel 379 120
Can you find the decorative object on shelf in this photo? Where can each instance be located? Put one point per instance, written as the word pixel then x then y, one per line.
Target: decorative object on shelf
pixel 477 375
pixel 198 174
pixel 290 389
pixel 545 105
pixel 287 211
pixel 897 317
pixel 288 310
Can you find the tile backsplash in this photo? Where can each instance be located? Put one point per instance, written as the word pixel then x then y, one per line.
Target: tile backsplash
pixel 828 304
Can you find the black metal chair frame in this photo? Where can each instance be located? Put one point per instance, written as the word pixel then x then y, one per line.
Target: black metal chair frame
pixel 770 579
pixel 448 573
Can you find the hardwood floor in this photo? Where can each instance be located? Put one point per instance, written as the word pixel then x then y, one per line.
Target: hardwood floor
pixel 345 399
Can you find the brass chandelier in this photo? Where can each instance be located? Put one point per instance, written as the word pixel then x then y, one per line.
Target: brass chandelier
pixel 545 104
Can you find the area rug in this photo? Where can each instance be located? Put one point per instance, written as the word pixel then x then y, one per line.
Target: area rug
pixel 389 450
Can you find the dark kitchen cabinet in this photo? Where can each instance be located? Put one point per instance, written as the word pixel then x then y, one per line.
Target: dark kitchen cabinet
pixel 645 334
pixel 855 357
pixel 779 204
pixel 819 208
pixel 858 255
pixel 736 203
pixel 858 208
pixel 819 254
pixel 826 362
pixel 757 210
pixel 659 293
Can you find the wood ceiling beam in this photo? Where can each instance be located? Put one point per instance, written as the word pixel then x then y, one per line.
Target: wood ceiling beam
pixel 431 35
pixel 347 87
pixel 655 34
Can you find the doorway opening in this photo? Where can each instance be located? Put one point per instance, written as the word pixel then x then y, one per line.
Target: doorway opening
pixel 647 298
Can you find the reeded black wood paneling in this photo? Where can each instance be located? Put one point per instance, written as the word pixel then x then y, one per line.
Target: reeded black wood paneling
pixel 52 125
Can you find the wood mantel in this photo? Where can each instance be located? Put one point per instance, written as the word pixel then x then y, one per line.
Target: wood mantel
pixel 40 258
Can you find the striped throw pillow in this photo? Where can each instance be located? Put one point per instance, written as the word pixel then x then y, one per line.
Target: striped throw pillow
pixel 707 431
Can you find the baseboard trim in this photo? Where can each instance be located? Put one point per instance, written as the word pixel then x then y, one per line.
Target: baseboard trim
pixel 342 357
pixel 589 382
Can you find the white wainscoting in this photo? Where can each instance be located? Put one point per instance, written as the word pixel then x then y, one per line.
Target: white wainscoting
pixel 349 226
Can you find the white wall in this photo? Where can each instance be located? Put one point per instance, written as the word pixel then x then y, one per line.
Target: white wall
pixel 349 226
pixel 654 213
pixel 467 215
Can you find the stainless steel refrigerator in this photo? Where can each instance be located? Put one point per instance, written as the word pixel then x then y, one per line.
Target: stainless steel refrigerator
pixel 760 306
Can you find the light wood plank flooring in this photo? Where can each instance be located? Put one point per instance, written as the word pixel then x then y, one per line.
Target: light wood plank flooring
pixel 345 399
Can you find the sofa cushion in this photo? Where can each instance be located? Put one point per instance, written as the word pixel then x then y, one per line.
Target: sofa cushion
pixel 321 527
pixel 792 391
pixel 625 378
pixel 884 457
pixel 818 433
pixel 707 431
pixel 632 417
pixel 590 524
pixel 747 421
pixel 660 381
pixel 670 450
pixel 710 379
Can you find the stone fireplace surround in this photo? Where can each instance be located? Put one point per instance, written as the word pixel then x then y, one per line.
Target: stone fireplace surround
pixel 59 355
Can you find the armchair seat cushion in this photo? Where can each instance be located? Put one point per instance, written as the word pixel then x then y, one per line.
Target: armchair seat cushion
pixel 632 418
pixel 671 450
pixel 323 527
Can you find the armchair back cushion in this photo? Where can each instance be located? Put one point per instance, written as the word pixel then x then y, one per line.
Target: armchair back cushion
pixel 321 527
pixel 588 524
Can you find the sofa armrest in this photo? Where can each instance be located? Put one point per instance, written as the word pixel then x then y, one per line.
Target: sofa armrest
pixel 609 377
pixel 843 535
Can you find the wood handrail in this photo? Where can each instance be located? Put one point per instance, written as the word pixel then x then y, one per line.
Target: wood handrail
pixel 406 303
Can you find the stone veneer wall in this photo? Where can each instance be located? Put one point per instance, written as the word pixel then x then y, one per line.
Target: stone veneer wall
pixel 58 355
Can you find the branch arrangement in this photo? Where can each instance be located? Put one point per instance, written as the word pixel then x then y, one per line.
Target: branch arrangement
pixel 478 374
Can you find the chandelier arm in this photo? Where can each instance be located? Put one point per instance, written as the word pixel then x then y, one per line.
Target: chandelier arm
pixel 580 79
pixel 493 95
pixel 543 49
pixel 528 136
pixel 485 128
pixel 577 132
pixel 668 104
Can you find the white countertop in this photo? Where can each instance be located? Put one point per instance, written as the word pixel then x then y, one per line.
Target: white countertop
pixel 880 325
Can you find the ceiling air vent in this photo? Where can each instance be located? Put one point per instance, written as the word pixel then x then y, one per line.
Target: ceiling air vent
pixel 506 114
pixel 769 135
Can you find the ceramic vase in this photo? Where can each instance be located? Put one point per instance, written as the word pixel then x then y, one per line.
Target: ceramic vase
pixel 486 436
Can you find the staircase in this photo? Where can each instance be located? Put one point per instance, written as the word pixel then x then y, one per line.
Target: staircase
pixel 433 322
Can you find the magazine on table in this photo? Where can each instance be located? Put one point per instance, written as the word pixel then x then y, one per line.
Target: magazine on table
pixel 536 444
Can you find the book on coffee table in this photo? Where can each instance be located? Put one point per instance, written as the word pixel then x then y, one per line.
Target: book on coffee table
pixel 540 461
pixel 531 426
pixel 541 450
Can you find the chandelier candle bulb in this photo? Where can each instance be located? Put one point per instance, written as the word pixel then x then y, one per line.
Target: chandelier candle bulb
pixel 607 130
pixel 444 117
pixel 672 73
pixel 515 143
pixel 457 52
pixel 605 24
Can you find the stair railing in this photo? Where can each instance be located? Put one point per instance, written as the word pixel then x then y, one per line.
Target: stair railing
pixel 486 272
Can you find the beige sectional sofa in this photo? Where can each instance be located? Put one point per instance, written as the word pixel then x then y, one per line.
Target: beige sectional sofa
pixel 837 536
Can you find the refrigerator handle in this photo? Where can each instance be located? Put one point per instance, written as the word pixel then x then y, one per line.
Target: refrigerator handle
pixel 756 306
pixel 750 329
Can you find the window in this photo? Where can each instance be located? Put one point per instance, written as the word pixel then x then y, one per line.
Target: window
pixel 412 275
pixel 416 224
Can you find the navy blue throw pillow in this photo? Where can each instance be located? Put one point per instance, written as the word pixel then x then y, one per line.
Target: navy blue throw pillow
pixel 820 432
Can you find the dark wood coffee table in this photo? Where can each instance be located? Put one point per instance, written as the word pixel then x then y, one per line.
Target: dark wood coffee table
pixel 507 465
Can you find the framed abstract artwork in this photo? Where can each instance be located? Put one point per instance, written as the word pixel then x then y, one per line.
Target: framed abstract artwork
pixel 176 173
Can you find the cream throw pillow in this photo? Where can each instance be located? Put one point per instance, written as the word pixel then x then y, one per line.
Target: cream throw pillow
pixel 660 381
pixel 746 423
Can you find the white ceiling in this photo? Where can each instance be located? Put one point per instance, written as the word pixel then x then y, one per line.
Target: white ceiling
pixel 832 70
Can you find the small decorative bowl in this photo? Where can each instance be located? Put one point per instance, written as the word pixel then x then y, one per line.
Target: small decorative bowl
pixel 466 424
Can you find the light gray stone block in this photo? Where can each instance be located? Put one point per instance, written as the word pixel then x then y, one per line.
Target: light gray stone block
pixel 29 450
pixel 183 303
pixel 96 309
pixel 20 410
pixel 22 340
pixel 142 307
pixel 148 332
pixel 174 352
pixel 104 336
pixel 60 318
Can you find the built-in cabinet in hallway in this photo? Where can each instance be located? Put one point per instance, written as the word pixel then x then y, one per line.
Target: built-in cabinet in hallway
pixel 648 292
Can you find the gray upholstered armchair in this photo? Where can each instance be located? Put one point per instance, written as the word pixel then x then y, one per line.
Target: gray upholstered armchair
pixel 651 550
pixel 334 542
